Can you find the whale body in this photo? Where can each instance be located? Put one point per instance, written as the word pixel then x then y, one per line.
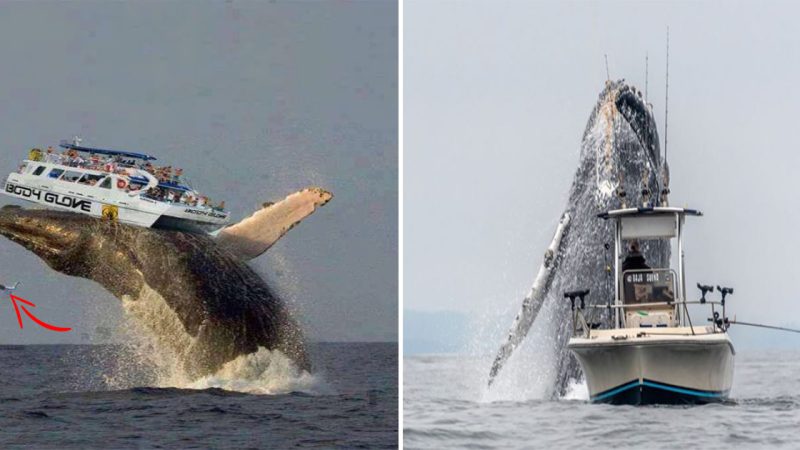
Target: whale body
pixel 195 292
pixel 619 153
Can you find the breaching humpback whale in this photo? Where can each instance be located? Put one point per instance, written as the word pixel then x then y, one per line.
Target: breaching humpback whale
pixel 204 301
pixel 620 162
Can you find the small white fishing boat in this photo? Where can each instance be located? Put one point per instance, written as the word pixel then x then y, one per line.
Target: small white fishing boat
pixel 653 352
pixel 113 184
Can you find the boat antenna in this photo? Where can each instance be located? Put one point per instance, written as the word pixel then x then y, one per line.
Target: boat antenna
pixel 646 62
pixel 666 103
pixel 608 75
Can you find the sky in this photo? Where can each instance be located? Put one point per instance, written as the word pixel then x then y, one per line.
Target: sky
pixel 254 100
pixel 496 99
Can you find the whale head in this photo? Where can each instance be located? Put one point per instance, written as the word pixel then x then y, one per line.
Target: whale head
pixel 48 234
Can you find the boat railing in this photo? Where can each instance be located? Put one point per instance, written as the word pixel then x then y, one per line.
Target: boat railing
pixel 173 181
pixel 582 326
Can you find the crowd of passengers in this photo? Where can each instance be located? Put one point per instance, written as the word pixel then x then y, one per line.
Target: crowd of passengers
pixel 117 165
pixel 171 196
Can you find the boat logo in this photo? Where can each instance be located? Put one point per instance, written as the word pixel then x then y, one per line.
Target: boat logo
pixel 110 212
pixel 49 197
pixel 205 213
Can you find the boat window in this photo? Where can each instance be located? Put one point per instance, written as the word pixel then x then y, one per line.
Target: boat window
pixel 106 184
pixel 648 286
pixel 71 176
pixel 55 173
pixel 90 179
pixel 38 171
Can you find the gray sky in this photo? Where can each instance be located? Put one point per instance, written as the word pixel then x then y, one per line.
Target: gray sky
pixel 254 100
pixel 497 95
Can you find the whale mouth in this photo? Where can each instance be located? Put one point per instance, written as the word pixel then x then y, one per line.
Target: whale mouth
pixel 37 230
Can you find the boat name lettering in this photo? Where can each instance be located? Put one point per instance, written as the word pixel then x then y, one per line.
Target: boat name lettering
pixel 647 277
pixel 49 197
pixel 205 213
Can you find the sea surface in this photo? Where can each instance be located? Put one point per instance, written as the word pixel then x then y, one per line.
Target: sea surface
pixel 447 406
pixel 63 397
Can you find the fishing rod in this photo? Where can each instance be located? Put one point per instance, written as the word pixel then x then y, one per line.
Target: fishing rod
pixel 759 325
pixel 724 323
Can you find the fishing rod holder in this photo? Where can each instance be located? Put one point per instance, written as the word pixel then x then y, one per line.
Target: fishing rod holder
pixel 665 196
pixel 622 194
pixel 704 289
pixel 724 291
pixel 571 295
pixel 722 322
pixel 577 314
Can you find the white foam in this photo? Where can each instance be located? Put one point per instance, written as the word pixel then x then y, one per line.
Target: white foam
pixel 158 348
pixel 577 390
pixel 262 372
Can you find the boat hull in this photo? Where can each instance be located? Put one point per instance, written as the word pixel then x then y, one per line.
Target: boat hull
pixel 111 203
pixel 647 392
pixel 651 369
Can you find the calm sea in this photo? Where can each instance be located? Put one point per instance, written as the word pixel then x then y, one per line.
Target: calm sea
pixel 447 406
pixel 60 397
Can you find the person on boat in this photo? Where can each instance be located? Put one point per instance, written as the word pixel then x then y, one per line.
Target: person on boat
pixel 634 260
pixel 48 157
pixel 35 154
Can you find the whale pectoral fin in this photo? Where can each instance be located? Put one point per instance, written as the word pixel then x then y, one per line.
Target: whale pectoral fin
pixel 533 302
pixel 254 235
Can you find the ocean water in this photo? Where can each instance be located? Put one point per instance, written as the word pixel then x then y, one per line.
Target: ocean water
pixel 446 405
pixel 70 396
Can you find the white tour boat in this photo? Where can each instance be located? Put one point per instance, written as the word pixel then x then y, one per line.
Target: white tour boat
pixel 115 185
pixel 653 352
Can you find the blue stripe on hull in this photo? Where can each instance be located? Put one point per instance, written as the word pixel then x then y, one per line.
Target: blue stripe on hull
pixel 651 392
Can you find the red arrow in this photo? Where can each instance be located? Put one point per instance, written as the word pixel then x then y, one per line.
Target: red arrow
pixel 14 300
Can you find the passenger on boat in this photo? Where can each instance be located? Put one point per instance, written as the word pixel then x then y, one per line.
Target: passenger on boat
pixel 35 154
pixel 634 260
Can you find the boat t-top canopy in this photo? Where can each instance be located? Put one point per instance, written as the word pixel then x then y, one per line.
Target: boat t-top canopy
pixel 657 222
pixel 649 211
pixel 142 156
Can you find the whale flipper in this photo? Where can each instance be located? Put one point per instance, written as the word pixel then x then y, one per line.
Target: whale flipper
pixel 533 301
pixel 256 234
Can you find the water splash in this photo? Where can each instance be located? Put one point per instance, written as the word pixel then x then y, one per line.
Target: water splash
pixel 576 390
pixel 157 347
pixel 531 372
pixel 262 372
